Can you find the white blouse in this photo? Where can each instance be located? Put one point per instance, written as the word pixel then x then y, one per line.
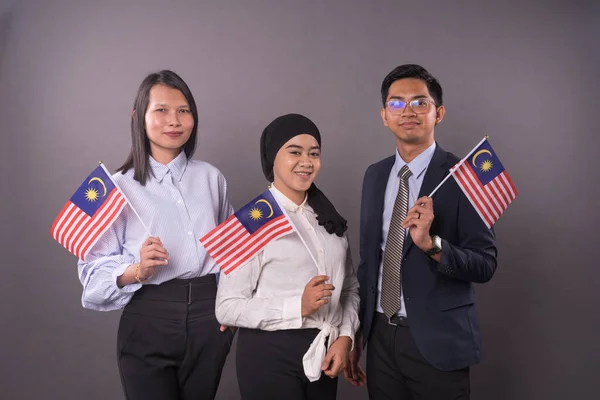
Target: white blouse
pixel 266 292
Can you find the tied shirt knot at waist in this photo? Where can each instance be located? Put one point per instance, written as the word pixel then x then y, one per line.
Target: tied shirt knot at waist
pixel 315 355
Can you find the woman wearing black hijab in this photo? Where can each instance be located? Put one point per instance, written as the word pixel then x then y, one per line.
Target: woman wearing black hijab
pixel 295 302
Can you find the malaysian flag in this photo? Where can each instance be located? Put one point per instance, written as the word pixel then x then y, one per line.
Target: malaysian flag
pixel 484 181
pixel 88 213
pixel 247 232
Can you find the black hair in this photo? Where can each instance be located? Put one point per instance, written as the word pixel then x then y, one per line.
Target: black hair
pixel 138 157
pixel 412 71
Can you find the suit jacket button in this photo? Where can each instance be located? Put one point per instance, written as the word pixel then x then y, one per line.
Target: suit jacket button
pixel 373 289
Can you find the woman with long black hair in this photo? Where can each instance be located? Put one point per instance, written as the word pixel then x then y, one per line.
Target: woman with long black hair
pixel 170 345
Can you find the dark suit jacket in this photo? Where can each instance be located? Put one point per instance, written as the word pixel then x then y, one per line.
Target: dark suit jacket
pixel 439 297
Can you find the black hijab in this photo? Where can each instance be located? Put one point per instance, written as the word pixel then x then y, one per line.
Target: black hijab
pixel 275 135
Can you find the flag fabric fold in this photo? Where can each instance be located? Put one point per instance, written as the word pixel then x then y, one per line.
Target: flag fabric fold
pixel 247 232
pixel 485 182
pixel 89 213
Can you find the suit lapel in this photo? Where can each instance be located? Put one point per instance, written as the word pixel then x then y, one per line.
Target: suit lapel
pixel 436 171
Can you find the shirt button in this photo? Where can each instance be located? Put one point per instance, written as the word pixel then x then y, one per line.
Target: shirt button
pixel 179 201
pixel 189 232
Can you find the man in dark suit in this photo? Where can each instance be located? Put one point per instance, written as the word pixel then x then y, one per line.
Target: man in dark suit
pixel 419 257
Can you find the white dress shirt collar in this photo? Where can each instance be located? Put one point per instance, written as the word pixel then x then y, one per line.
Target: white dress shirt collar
pixel 289 205
pixel 418 165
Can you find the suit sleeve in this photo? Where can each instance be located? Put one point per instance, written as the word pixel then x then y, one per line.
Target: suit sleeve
pixel 362 265
pixel 473 258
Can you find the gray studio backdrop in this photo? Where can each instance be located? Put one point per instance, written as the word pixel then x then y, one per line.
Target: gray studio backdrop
pixel 524 73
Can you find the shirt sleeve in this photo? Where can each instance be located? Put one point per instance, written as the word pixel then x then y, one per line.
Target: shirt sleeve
pixel 238 306
pixel 225 208
pixel 349 299
pixel 106 261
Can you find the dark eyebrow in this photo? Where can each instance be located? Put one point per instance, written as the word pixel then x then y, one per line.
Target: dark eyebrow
pixel 419 96
pixel 295 146
pixel 165 105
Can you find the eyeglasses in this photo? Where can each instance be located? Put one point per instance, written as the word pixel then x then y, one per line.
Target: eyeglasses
pixel 419 106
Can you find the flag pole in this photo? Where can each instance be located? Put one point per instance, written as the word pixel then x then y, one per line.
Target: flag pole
pixel 294 226
pixel 126 199
pixel 453 169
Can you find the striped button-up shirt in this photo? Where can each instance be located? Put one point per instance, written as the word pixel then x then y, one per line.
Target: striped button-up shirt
pixel 180 202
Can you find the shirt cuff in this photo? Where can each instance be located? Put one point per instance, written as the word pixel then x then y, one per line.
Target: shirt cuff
pixel 292 311
pixel 444 265
pixel 351 340
pixel 117 272
pixel 347 331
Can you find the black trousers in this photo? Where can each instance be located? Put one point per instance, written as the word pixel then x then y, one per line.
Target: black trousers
pixel 397 370
pixel 169 345
pixel 269 366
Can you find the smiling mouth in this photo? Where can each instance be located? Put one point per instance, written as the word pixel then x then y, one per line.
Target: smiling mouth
pixel 303 173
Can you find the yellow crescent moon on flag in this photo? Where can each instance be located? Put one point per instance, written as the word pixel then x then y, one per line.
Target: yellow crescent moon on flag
pixel 101 182
pixel 478 153
pixel 268 204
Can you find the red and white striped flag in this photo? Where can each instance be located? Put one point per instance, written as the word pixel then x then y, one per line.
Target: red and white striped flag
pixel 485 182
pixel 247 232
pixel 88 213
